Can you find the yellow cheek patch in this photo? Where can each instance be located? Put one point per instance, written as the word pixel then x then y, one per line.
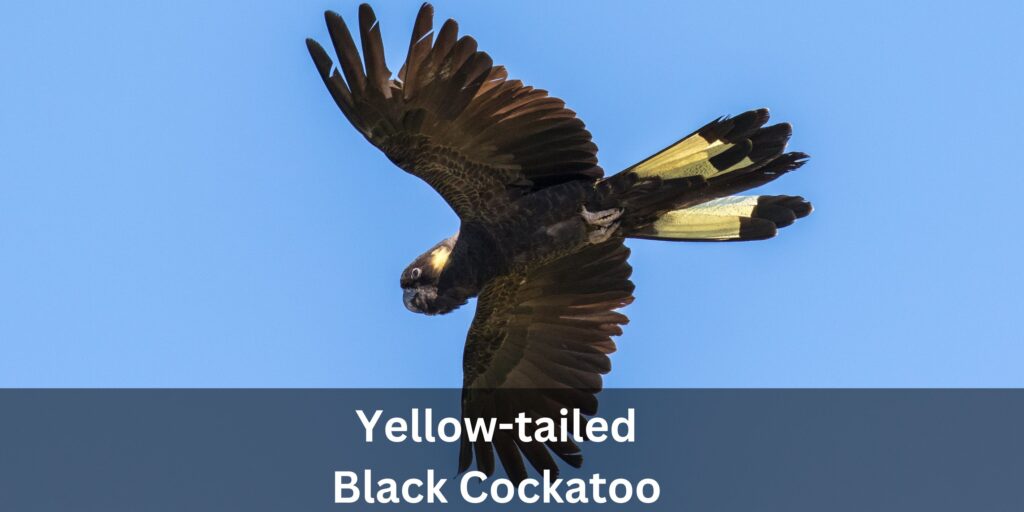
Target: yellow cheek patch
pixel 439 258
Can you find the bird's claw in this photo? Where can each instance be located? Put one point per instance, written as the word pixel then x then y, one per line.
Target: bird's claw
pixel 602 218
pixel 604 222
pixel 601 234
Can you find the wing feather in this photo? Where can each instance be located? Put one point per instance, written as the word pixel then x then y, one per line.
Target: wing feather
pixel 453 118
pixel 373 50
pixel 345 49
pixel 540 343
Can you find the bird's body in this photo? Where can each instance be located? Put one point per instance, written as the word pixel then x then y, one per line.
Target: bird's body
pixel 542 229
pixel 528 233
pixel 532 230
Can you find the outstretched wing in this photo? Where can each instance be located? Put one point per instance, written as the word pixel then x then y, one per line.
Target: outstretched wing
pixel 452 118
pixel 540 343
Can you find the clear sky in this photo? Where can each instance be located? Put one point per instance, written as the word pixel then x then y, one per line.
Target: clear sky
pixel 181 203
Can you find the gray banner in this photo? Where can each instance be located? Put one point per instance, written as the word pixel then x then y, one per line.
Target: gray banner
pixel 709 450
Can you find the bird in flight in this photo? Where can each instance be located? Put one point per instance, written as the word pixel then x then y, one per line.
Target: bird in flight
pixel 540 241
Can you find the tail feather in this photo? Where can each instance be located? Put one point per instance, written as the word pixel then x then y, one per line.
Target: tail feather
pixel 734 218
pixel 724 145
pixel 687 190
pixel 732 184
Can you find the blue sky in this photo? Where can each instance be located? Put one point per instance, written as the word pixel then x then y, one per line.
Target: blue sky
pixel 181 204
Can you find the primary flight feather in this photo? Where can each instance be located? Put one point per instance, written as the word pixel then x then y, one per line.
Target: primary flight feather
pixel 541 236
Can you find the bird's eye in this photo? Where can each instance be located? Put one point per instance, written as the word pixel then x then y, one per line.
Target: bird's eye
pixel 415 273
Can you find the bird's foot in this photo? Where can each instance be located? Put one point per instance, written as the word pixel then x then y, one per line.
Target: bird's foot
pixel 602 218
pixel 602 234
pixel 605 222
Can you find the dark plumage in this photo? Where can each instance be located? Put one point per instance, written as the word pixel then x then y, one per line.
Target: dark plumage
pixel 542 229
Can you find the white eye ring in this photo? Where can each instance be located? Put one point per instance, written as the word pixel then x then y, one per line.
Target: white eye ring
pixel 415 273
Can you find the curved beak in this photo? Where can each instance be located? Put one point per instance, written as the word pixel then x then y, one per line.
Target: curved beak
pixel 408 298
